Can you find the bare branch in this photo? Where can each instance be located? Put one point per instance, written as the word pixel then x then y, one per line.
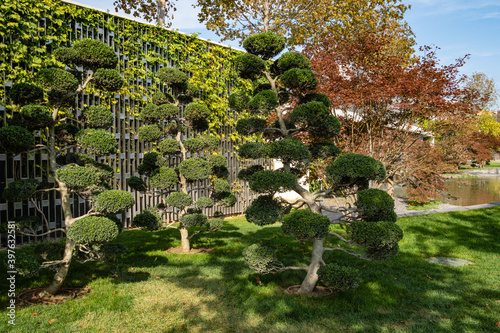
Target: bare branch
pixel 341 238
pixel 348 252
pixel 40 235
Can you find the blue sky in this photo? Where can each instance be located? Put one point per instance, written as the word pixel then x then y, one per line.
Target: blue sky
pixel 457 27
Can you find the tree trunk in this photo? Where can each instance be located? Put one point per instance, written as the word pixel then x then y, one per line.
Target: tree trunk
pixel 186 247
pixel 311 279
pixel 390 186
pixel 161 12
pixel 62 270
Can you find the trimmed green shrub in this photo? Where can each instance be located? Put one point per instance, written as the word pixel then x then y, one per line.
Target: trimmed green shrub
pixel 191 220
pixel 355 169
pixel 250 126
pixel 315 97
pixel 108 79
pixel 50 250
pixel 220 171
pixel 166 111
pixel 27 262
pixel 173 128
pixel 110 252
pixel 339 278
pixel 93 229
pixel 65 133
pixel 216 161
pixel 163 178
pixel 191 92
pixel 194 145
pixel 57 82
pixel 211 142
pixel 20 190
pixel 221 185
pixel 149 112
pixel 290 151
pixel 93 54
pixel 261 258
pixel 137 184
pixel 147 220
pixel 149 163
pixel 379 238
pixel 169 146
pixel 195 168
pixel 266 44
pixel 290 60
pixel 375 205
pixel 305 225
pixel 16 139
pixel 77 177
pixel 249 66
pixel 75 158
pixel 173 77
pixel 324 150
pixel 317 119
pixel 266 210
pixel 179 200
pixel 238 101
pixel 268 181
pixel 299 79
pixel 36 116
pixel 253 150
pixel 97 141
pixel 160 98
pixel 27 222
pixel 25 93
pixel 113 202
pixel 264 102
pixel 227 199
pixel 118 222
pixel 196 111
pixel 204 202
pixel 215 224
pixel 98 116
pixel 150 133
pixel 245 174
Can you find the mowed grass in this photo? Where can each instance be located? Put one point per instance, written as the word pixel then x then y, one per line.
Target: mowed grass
pixel 216 292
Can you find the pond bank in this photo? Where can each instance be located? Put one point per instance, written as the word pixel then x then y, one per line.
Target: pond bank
pixel 401 208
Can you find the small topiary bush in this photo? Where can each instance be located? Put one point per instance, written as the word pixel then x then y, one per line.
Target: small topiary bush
pixel 57 82
pixel 290 60
pixel 204 202
pixel 245 174
pixel 324 150
pixel 227 199
pixel 195 168
pixel 179 200
pixel 173 77
pixel 108 79
pixel 375 205
pixel 36 116
pixel 264 102
pixel 265 45
pixel 376 236
pixel 27 262
pixel 147 220
pixel 315 97
pixel 305 225
pixel 266 210
pixel 191 220
pixel 339 278
pixel 149 163
pixel 217 160
pixel 221 185
pixel 25 93
pixel 194 145
pixel 150 133
pixel 97 141
pixel 211 142
pixel 98 116
pixel 148 112
pixel 163 178
pixel 290 151
pixel 15 139
pixel 261 258
pixel 299 79
pixel 268 181
pixel 253 150
pixel 113 202
pixel 248 126
pixel 77 177
pixel 91 54
pixel 20 190
pixel 238 101
pixel 93 229
pixel 160 98
pixel 137 184
pixel 355 169
pixel 318 119
pixel 166 111
pixel 249 66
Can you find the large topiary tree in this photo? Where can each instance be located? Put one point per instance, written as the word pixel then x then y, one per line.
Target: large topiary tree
pixel 369 230
pixel 46 107
pixel 166 125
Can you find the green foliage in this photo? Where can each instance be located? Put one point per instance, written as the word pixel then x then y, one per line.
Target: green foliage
pixel 215 224
pixel 266 44
pixel 268 181
pixel 27 263
pixel 204 202
pixel 266 210
pixel 290 60
pixel 290 151
pixel 149 112
pixel 150 133
pixel 27 222
pixel 355 169
pixel 160 98
pixel 324 150
pixel 166 111
pixel 375 205
pixel 173 77
pixel 25 93
pixel 379 238
pixel 169 147
pixel 216 161
pixel 77 177
pixel 103 171
pixel 249 126
pixel 36 116
pixel 20 190
pixel 198 115
pixel 260 87
pixel 221 185
pixel 339 278
pixel 147 220
pixel 90 54
pixel 227 199
pixel 50 250
pixel 264 102
pixel 253 150
pixel 261 258
pixel 316 97
pixel 163 178
pixel 299 79
pixel 57 82
pixel 194 145
pixel 97 141
pixel 249 66
pixel 137 184
pixel 211 142
pixel 173 128
pixel 245 174
pixel 305 225
pixel 15 139
pixel 191 220
pixel 238 101
pixel 93 229
pixel 65 133
pixel 149 163
pixel 317 119
pixel 113 202
pixel 98 116
pixel 195 168
pixel 179 200
pixel 108 79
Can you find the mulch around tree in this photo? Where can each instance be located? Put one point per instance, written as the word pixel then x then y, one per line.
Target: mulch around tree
pixel 30 296
pixel 194 250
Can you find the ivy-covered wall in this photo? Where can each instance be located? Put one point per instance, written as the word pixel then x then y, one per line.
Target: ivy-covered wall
pixel 31 29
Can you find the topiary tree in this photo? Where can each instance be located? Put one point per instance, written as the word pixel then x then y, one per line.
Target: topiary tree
pixel 368 222
pixel 166 123
pixel 46 106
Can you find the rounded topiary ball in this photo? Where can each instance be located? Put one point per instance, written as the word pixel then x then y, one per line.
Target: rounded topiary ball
pixel 253 150
pixel 355 169
pixel 299 79
pixel 147 220
pixel 321 124
pixel 98 116
pixel 268 181
pixel 194 145
pixel 163 178
pixel 266 44
pixel 197 111
pixel 169 146
pixel 179 200
pixel 339 278
pixel 227 199
pixel 375 205
pixel 266 210
pixel 191 220
pixel 77 177
pixel 160 98
pixel 137 184
pixel 20 190
pixel 204 202
pixel 150 133
pixel 249 66
pixel 264 102
pixel 173 77
pixel 217 161
pixel 148 112
pixel 316 97
pixel 97 141
pixel 93 229
pixel 305 225
pixel 166 111
pixel 113 202
pixel 57 82
pixel 108 79
pixel 25 93
pixel 248 126
pixel 195 168
pixel 261 258
pixel 238 101
pixel 149 163
pixel 245 174
pixel 15 139
pixel 93 54
pixel 290 150
pixel 221 185
pixel 211 142
pixel 290 60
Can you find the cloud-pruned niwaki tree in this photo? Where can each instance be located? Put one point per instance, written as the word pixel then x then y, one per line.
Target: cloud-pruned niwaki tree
pixel 370 230
pixel 166 125
pixel 47 107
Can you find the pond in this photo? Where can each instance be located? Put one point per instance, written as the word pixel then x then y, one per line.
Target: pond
pixel 467 191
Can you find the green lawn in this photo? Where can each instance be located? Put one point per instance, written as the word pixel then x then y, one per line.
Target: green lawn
pixel 216 292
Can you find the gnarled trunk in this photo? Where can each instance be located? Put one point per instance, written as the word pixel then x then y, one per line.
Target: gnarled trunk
pixel 311 278
pixel 186 247
pixel 62 270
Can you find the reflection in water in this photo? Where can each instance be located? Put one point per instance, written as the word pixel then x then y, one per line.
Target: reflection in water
pixel 467 191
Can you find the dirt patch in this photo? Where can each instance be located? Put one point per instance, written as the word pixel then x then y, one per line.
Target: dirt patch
pixel 317 292
pixel 30 296
pixel 194 250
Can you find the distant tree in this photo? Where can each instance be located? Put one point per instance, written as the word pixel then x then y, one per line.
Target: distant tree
pixel 369 225
pixel 166 126
pixel 150 10
pixel 48 107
